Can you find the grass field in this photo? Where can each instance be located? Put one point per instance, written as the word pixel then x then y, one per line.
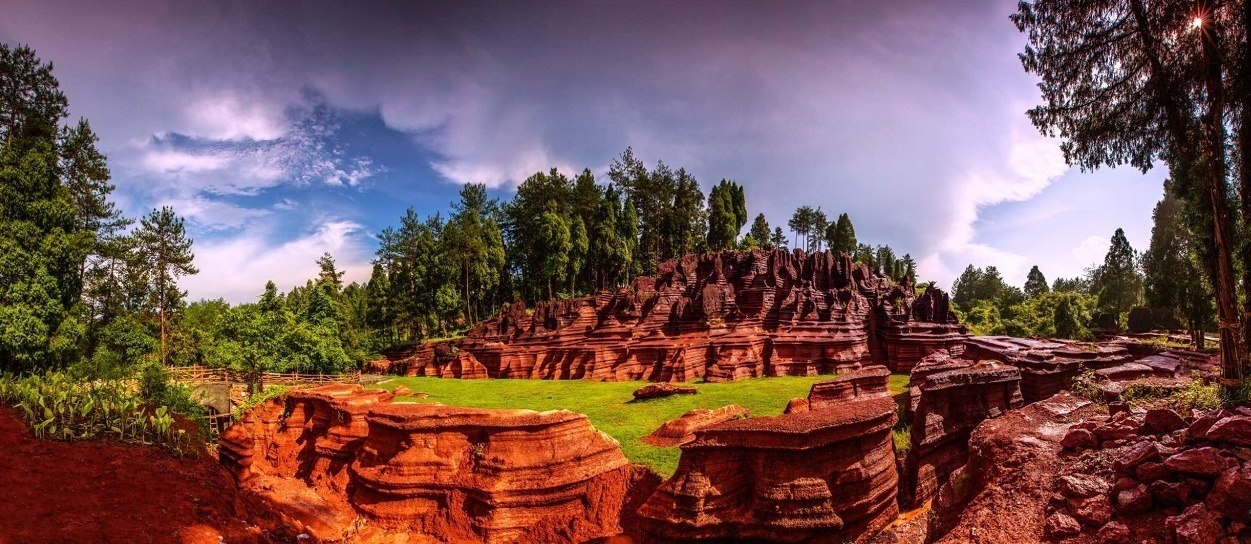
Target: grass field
pixel 612 409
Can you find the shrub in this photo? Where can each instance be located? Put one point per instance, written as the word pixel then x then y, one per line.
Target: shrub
pixel 256 399
pixel 902 437
pixel 1140 319
pixel 157 388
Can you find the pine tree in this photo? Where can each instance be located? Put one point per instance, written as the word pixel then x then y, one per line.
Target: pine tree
pixel 841 235
pixel 162 240
pixel 760 231
pixel 1035 283
pixel 329 273
pixel 1119 283
pixel 778 239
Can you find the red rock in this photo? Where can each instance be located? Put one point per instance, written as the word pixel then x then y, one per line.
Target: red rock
pixel 1082 485
pixel 909 331
pixel 1199 429
pixel 1200 462
pixel 796 405
pixel 1174 493
pixel 1163 421
pixel 1061 525
pixel 1130 457
pixel 1135 500
pixel 663 389
pixel 1094 511
pixel 1124 483
pixel 950 405
pixel 679 431
pixel 1047 366
pixel 1117 430
pixel 1077 439
pixel 1113 532
pixel 402 391
pixel 1150 472
pixel 863 384
pixel 827 473
pixel 1231 494
pixel 1231 430
pixel 343 457
pixel 1197 525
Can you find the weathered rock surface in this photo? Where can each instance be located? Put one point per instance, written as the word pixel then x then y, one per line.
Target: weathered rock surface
pixel 347 463
pixel 662 389
pixel 822 475
pixel 950 403
pixel 679 431
pixel 1047 366
pixel 718 316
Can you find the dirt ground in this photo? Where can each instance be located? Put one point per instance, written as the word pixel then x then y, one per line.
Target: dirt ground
pixel 104 492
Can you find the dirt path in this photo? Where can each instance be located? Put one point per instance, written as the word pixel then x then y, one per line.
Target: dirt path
pixel 105 492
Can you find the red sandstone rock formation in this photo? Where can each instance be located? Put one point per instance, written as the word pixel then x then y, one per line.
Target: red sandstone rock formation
pixel 952 396
pixel 1047 366
pixel 347 463
pixel 822 475
pixel 719 316
pixel 679 431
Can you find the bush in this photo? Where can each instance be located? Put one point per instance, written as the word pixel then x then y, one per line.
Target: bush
pixel 157 388
pixel 902 437
pixel 1140 319
pixel 256 399
pixel 59 408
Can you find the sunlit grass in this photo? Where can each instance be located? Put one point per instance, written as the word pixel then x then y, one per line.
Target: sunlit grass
pixel 611 407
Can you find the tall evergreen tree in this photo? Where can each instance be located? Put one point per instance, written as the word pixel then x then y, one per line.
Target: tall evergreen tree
pixel 162 239
pixel 1119 284
pixel 1035 283
pixel 841 235
pixel 760 230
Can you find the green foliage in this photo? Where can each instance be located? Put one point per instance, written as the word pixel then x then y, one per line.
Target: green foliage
pixel 59 407
pixel 1035 283
pixel 727 213
pixel 902 438
pixel 841 235
pixel 1120 286
pixel 256 399
pixel 760 232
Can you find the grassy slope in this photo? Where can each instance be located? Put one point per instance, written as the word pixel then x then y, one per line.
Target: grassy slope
pixel 612 409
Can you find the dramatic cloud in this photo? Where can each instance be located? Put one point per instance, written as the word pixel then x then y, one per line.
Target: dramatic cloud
pixel 908 115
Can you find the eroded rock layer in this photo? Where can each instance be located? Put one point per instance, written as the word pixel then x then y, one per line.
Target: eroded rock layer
pixel 822 474
pixel 353 464
pixel 718 316
pixel 951 397
pixel 1047 366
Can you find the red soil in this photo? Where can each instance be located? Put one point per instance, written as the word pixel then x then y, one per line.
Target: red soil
pixel 103 491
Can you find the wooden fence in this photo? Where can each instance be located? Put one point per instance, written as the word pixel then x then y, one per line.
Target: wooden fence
pixel 201 374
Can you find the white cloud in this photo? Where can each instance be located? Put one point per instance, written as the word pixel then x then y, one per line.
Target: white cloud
pixel 1092 249
pixel 226 115
pixel 168 161
pixel 238 267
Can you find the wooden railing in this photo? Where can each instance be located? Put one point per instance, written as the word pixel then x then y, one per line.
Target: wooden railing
pixel 201 374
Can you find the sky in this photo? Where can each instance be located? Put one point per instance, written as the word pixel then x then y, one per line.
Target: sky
pixel 283 130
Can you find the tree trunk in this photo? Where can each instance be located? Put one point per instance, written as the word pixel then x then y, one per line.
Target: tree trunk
pixel 1214 172
pixel 1243 95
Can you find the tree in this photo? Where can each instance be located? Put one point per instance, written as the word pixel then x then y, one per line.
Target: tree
pixel 329 273
pixel 474 240
pixel 760 230
pixel 1035 283
pixel 1127 82
pixel 779 238
pixel 1119 284
pixel 554 240
pixel 727 213
pixel 841 235
pixel 163 240
pixel 578 245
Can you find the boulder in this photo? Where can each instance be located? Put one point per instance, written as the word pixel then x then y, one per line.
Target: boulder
pixel 1093 511
pixel 1078 439
pixel 1206 462
pixel 402 391
pixel 1082 485
pixel 663 389
pixel 1197 525
pixel 1163 421
pixel 1174 493
pixel 1114 532
pixel 1061 525
pixel 1231 494
pixel 1129 457
pixel 1231 430
pixel 1135 500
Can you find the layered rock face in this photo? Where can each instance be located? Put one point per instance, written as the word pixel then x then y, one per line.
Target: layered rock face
pixel 825 473
pixel 718 316
pixel 353 464
pixel 911 329
pixel 948 399
pixel 1047 366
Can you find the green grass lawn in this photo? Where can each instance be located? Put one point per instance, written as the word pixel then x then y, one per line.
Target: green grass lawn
pixel 612 409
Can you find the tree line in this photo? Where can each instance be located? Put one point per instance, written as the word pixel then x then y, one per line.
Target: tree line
pixel 1163 287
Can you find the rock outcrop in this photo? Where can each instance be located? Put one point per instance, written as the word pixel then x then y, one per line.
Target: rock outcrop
pixel 717 316
pixel 949 398
pixel 1047 366
pixel 824 474
pixel 343 462
pixel 676 432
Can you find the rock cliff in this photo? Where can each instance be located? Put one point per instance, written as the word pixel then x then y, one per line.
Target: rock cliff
pixel 718 316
